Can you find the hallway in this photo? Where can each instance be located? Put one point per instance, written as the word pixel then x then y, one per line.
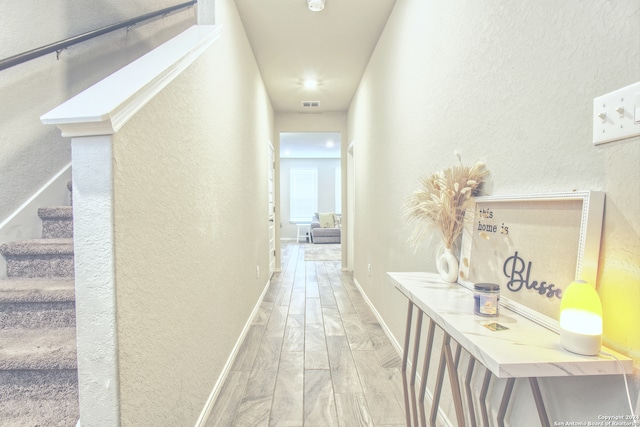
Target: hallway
pixel 315 355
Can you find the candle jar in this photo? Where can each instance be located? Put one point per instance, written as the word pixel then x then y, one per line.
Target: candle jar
pixel 486 299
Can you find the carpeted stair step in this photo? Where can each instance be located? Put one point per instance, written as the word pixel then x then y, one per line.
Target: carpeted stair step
pixel 37 303
pixel 48 349
pixel 57 222
pixel 38 377
pixel 50 399
pixel 39 258
pixel 38 359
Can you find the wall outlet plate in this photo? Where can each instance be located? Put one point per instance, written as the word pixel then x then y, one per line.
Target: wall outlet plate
pixel 614 115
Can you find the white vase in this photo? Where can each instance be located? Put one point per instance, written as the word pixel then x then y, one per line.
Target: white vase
pixel 447 265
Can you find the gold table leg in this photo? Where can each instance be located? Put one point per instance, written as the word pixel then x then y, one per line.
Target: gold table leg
pixel 508 388
pixel 405 355
pixel 453 379
pixel 446 358
pixel 414 365
pixel 483 398
pixel 467 383
pixel 537 397
pixel 425 371
pixel 437 391
pixel 542 413
pixel 456 358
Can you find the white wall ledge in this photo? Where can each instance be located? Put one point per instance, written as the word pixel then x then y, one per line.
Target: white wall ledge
pixel 106 106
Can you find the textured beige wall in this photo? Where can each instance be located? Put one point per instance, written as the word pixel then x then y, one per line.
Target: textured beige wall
pixel 511 84
pixel 191 225
pixel 32 153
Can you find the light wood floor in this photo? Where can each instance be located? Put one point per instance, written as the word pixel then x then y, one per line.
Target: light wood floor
pixel 314 356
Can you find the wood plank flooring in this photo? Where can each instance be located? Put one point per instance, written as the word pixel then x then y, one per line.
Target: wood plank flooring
pixel 315 356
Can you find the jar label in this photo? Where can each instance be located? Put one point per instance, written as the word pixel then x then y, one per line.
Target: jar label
pixel 489 304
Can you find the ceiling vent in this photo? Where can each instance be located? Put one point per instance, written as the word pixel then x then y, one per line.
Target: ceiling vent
pixel 310 104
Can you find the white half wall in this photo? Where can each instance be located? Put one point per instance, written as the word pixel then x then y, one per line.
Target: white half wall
pixel 189 226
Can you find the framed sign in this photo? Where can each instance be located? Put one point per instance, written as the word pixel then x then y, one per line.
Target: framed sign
pixel 533 246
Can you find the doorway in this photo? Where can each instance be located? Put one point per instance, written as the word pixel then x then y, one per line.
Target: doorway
pixel 310 181
pixel 271 215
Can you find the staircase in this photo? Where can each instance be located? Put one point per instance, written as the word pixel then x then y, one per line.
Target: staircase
pixel 38 365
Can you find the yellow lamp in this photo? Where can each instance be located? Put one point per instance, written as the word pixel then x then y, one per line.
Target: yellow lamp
pixel 581 319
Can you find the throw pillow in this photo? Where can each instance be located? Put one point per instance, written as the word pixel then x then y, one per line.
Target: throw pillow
pixel 326 220
pixel 337 220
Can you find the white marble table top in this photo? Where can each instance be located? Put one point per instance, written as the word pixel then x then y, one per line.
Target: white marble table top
pixel 526 349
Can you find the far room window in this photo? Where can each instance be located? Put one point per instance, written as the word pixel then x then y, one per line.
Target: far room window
pixel 303 194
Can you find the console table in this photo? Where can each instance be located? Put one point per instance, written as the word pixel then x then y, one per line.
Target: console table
pixel 525 350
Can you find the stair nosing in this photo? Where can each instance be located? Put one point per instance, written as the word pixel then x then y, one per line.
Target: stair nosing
pixel 25 290
pixel 38 349
pixel 30 247
pixel 56 212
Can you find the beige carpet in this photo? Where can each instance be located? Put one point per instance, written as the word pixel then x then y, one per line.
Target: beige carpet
pixel 323 252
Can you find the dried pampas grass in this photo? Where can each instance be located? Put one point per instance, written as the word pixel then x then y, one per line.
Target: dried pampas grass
pixel 441 201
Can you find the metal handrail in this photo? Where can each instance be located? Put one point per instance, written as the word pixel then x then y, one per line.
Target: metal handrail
pixel 63 44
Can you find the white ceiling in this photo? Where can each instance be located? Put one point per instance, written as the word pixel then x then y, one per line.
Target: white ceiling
pixel 292 43
pixel 308 145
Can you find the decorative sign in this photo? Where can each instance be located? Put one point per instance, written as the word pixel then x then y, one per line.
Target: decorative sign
pixel 533 246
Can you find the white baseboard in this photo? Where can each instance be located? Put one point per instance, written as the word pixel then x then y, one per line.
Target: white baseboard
pixel 385 328
pixel 206 411
pixel 24 223
pixel 399 349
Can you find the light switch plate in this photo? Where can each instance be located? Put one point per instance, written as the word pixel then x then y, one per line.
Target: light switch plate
pixel 614 115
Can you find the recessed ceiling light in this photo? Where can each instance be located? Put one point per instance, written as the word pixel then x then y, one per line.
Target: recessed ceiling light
pixel 310 84
pixel 315 5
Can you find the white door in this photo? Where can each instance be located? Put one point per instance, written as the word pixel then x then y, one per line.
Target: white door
pixel 272 211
